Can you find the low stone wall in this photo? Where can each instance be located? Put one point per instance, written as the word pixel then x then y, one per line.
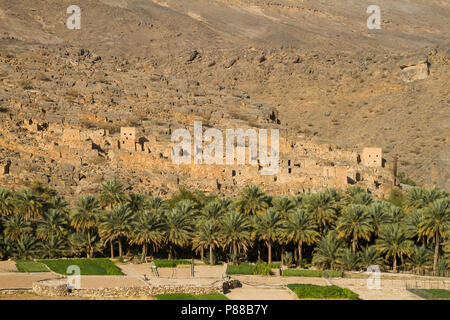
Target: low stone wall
pixel 51 287
pixel 59 288
pixel 14 291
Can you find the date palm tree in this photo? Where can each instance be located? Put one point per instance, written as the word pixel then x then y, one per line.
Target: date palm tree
pixel 53 224
pixel 6 202
pixel 447 249
pixel 78 243
pixel 301 228
pixel 411 222
pixel 436 222
pixel 284 206
pixel 136 202
pixel 236 232
pixel 269 226
pixel 362 198
pixel 369 256
pixel 213 211
pixel 25 247
pixel 396 214
pixel 156 203
pixel 416 198
pixel 323 208
pixel 179 225
pixel 57 203
pixel 29 204
pixel 85 217
pixel 420 259
pixel 252 201
pixel 348 259
pixel 378 214
pixel 326 254
pixel 15 226
pixel 208 236
pixel 394 243
pixel 147 230
pixel 116 225
pixel 354 224
pixel 53 247
pixel 112 193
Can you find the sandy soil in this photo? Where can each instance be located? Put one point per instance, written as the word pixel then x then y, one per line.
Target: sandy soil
pixel 389 289
pixel 110 282
pixel 181 272
pixel 249 292
pixel 7 266
pixel 21 280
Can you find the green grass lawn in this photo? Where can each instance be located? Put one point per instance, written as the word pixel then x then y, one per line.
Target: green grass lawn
pixel 30 266
pixel 187 296
pixel 432 294
pixel 170 263
pixel 100 266
pixel 310 291
pixel 256 269
pixel 310 273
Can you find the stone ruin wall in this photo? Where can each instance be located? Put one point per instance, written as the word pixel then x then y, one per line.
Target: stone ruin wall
pixel 304 166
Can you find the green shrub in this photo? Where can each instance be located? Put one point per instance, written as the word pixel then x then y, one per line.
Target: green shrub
pixel 250 269
pixel 310 273
pixel 310 291
pixel 262 269
pixel 169 263
pixel 100 266
pixel 240 269
pixel 30 266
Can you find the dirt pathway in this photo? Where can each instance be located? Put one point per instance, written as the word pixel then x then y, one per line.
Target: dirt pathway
pixel 260 292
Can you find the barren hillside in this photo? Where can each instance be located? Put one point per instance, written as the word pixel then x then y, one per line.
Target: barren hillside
pixel 162 64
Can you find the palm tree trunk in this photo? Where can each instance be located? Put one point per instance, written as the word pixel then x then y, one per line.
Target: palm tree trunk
pixel 269 247
pixel 395 263
pixel 436 251
pixel 88 253
pixel 211 262
pixel 259 251
pixel 144 251
pixel 111 248
pixel 354 245
pixel 120 247
pixel 202 253
pixel 235 252
pixel 295 256
pixel 282 255
pixel 300 254
pixel 170 252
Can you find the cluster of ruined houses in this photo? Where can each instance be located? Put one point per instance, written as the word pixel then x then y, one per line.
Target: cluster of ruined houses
pixel 304 166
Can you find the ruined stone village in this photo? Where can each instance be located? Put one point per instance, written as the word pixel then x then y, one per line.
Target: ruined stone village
pixel 78 160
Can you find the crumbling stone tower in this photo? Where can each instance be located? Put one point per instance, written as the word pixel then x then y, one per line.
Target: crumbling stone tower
pixel 128 138
pixel 372 157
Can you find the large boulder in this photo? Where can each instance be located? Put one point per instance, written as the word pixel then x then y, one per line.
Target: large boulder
pixel 414 69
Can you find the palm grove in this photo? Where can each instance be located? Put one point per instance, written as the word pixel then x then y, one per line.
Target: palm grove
pixel 329 230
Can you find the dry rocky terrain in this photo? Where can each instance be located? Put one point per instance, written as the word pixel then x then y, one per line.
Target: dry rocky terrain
pixel 311 69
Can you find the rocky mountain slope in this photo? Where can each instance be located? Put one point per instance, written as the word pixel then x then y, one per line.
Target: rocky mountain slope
pixel 328 78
